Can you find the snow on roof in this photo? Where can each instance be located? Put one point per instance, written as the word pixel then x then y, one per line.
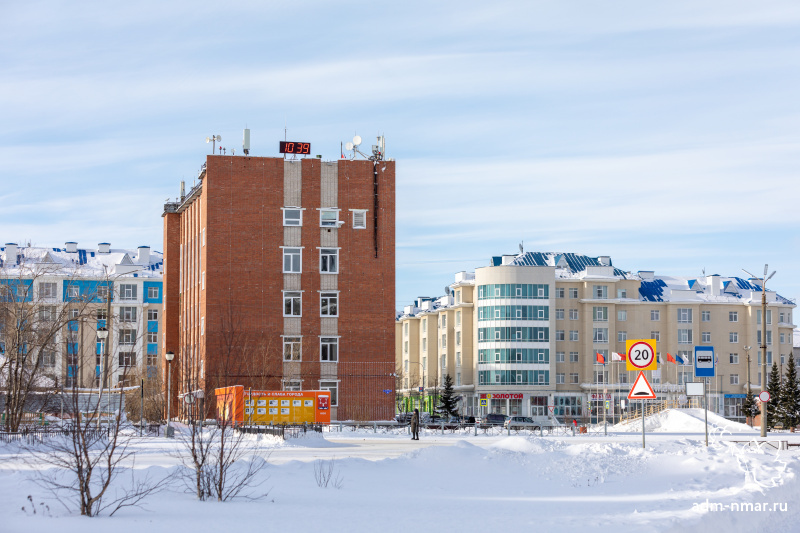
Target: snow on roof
pixel 83 263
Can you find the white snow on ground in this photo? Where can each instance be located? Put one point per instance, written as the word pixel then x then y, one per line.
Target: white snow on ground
pixel 459 481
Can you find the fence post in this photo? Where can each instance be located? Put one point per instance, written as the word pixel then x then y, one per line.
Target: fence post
pixel 476 428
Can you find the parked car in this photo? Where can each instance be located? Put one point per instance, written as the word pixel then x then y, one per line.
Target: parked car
pixel 493 419
pixel 521 422
pixel 404 418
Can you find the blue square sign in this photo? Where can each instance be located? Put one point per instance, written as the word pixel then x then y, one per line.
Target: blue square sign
pixel 704 362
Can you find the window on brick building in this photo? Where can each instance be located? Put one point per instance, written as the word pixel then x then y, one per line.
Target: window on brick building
pixel 329 349
pixel 292 349
pixel 329 260
pixel 292 303
pixel 329 304
pixel 292 216
pixel 329 218
pixel 292 260
pixel 333 388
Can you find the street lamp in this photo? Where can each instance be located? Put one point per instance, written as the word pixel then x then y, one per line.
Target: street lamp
pixel 169 356
pixel 764 281
pixel 749 393
pixel 102 334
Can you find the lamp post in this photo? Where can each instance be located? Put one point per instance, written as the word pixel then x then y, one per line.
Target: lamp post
pixel 749 393
pixel 764 281
pixel 102 334
pixel 169 356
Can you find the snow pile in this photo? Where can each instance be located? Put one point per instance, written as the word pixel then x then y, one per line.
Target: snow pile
pixel 690 421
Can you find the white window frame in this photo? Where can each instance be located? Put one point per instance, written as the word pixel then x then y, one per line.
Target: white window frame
pixel 333 388
pixel 325 300
pixel 362 213
pixel 328 253
pixel 291 222
pixel 292 342
pixel 325 344
pixel 291 252
pixel 49 289
pixel 152 293
pixel 128 292
pixel 291 297
pixel 325 220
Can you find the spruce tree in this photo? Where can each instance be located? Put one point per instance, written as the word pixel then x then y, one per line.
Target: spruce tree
pixel 774 389
pixel 790 396
pixel 749 408
pixel 448 405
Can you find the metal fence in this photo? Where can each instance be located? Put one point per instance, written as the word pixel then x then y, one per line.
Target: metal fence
pixel 284 432
pixel 39 434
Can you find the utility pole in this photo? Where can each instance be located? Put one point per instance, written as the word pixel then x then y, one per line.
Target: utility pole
pixel 749 392
pixel 764 281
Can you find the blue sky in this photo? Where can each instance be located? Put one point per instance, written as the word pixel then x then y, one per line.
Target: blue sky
pixel 665 136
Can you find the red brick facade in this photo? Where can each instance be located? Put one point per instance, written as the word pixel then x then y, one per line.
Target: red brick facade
pixel 223 281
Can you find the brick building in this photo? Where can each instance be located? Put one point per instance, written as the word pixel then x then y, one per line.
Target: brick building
pixel 279 275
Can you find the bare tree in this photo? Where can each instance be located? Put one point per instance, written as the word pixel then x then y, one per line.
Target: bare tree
pixel 33 329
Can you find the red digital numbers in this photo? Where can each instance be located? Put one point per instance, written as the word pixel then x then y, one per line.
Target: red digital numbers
pixel 287 147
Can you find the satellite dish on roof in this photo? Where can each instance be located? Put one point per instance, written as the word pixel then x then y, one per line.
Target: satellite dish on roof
pixel 349 146
pixel 208 139
pixel 356 140
pixel 447 290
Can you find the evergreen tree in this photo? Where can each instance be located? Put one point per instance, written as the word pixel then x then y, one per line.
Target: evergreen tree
pixel 774 389
pixel 749 407
pixel 448 405
pixel 790 396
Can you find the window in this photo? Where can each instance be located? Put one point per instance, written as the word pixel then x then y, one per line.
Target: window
pixel 48 290
pixel 127 314
pixel 292 216
pixel 622 316
pixel 72 291
pixel 684 336
pixel 458 338
pixel 600 292
pixel 573 293
pixel 600 314
pixel 622 293
pixel 573 378
pixel 458 317
pixel 152 360
pixel 684 316
pixel 405 346
pixel 497 313
pixel 202 325
pixel 573 314
pixel 424 345
pixel 102 291
pixel 559 357
pixel 655 315
pixel 444 362
pixel 405 329
pixel 152 293
pixel 292 303
pixel 102 314
pixel 559 334
pixel 152 314
pixel 152 336
pixel 444 321
pixel 458 358
pixel 733 358
pixel 600 376
pixel 127 292
pixel 329 260
pixel 48 359
pixel 734 379
pixel 573 335
pixel 733 337
pixel 781 317
pixel 292 258
pixel 560 378
pixel 769 316
pixel 444 339
pixel 733 316
pixel 656 336
pixel 573 357
pixel 359 219
pixel 329 218
pixel 705 316
pixel 127 336
pixel 705 336
pixel 560 292
pixel 600 335
pixel 559 314
pixel 292 349
pixel 333 388
pixel 783 338
pixel 47 313
pixel 329 304
pixel 622 336
pixel 329 349
pixel 74 313
pixel 290 385
pixel 127 358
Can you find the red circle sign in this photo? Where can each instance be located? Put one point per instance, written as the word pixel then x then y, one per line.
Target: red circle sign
pixel 764 396
pixel 641 355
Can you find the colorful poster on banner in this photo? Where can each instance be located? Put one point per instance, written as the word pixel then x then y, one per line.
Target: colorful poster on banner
pixel 284 407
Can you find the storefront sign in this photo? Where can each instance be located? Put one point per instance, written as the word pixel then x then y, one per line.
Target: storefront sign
pixel 507 396
pixel 598 396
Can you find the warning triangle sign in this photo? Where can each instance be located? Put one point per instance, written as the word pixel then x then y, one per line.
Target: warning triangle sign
pixel 641 389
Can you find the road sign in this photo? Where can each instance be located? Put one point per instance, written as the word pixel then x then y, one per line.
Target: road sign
pixel 695 388
pixel 704 362
pixel 641 389
pixel 552 408
pixel 764 396
pixel 484 402
pixel 387 391
pixel 641 354
pixel 608 405
pixel 422 389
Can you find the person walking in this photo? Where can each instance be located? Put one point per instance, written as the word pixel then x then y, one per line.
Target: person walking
pixel 415 425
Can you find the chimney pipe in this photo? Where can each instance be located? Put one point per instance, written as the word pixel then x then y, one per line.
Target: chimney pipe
pixel 103 248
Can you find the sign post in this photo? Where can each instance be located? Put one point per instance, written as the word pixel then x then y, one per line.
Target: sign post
pixel 698 388
pixel 641 389
pixel 704 368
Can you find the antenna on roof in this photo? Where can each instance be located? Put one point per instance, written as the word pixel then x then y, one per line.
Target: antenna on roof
pixel 704 271
pixel 521 249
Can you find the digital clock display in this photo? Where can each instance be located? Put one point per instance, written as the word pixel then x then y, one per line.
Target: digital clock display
pixel 295 147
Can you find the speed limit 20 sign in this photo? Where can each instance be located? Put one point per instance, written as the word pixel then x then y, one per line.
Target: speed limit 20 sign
pixel 641 354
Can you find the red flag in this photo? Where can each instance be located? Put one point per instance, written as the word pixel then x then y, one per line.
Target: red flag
pixel 601 359
pixel 616 356
pixel 671 359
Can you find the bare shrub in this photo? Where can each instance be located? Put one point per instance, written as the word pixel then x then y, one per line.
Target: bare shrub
pixel 326 474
